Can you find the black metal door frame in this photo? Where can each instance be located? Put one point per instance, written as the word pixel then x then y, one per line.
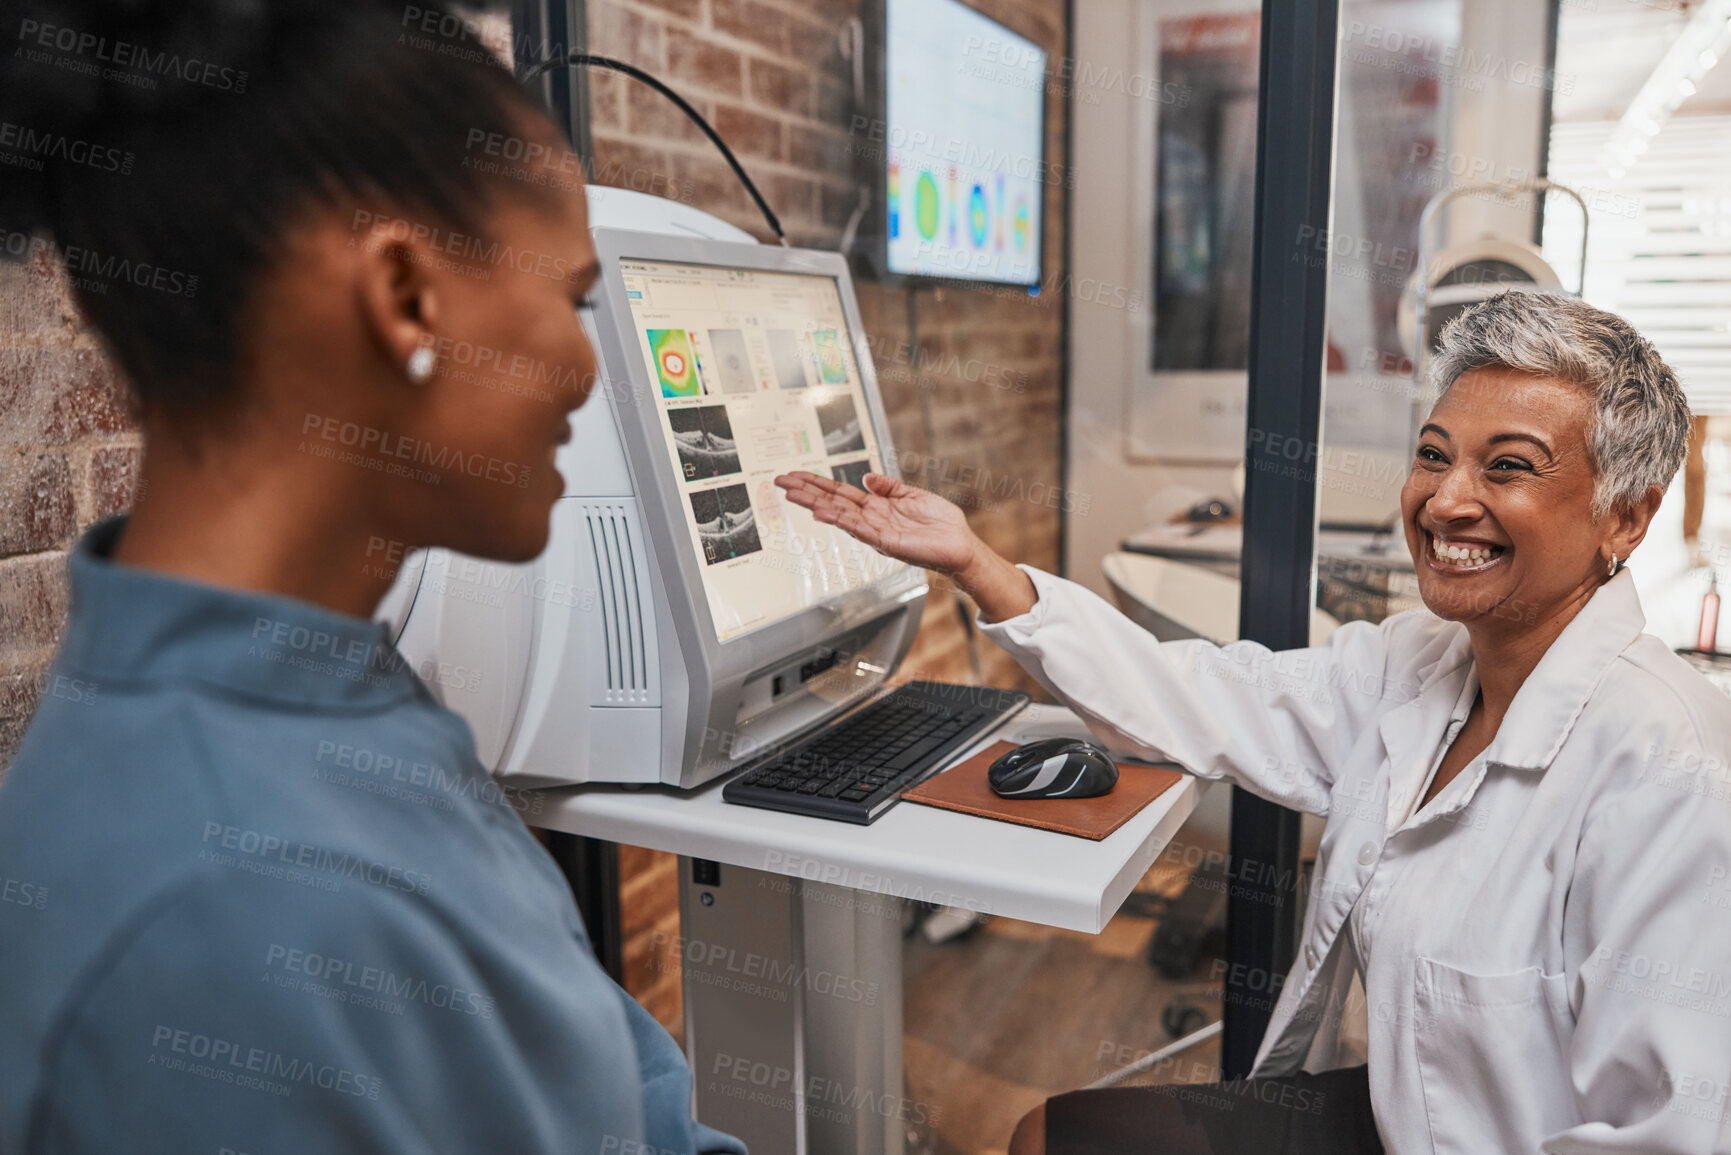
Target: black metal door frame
pixel 1289 294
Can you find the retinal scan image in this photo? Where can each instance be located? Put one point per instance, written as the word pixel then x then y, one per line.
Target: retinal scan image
pixel 787 360
pixel 732 362
pixel 705 439
pixel 725 524
pixel 839 419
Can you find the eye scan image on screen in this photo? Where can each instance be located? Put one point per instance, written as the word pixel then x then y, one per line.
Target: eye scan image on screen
pixel 964 144
pixel 754 375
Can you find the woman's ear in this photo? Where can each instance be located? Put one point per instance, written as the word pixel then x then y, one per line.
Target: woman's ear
pixel 399 304
pixel 1629 522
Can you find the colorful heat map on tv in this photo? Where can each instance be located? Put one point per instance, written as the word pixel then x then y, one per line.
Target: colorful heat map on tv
pixel 995 224
pixel 965 167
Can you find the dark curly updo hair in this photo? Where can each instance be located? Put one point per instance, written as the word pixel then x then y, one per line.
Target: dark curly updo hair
pixel 163 150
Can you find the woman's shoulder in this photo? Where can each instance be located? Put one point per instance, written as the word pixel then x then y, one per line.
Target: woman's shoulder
pixel 162 827
pixel 1653 777
pixel 112 750
pixel 1651 745
pixel 120 797
pixel 1666 706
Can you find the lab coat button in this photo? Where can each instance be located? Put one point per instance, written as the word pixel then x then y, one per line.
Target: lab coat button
pixel 1367 854
pixel 1310 955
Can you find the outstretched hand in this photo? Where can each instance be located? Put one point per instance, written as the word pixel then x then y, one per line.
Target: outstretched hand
pixel 905 522
pixel 916 526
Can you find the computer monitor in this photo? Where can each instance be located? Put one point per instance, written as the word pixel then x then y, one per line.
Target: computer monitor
pixel 755 374
pixel 685 618
pixel 955 148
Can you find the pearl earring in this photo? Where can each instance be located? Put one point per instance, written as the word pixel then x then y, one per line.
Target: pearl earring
pixel 1613 568
pixel 421 363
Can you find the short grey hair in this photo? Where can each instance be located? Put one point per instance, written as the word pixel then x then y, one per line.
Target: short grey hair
pixel 1640 430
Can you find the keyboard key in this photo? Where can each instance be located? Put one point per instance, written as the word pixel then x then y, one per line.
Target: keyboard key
pixel 914 753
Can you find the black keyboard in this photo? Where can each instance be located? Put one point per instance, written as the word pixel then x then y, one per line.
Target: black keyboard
pixel 856 769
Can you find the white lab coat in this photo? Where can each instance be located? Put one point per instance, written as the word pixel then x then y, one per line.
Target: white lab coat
pixel 1545 948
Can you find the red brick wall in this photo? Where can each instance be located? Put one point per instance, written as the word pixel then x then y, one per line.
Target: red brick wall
pixel 68 457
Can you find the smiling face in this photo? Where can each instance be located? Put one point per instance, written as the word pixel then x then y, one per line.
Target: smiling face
pixel 1498 505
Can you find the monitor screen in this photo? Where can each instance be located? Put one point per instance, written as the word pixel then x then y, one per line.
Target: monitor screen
pixel 754 375
pixel 964 145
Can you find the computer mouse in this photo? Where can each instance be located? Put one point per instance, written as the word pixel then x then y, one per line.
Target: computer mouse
pixel 1053 768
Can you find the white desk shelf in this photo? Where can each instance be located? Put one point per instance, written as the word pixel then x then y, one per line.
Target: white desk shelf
pixel 915 852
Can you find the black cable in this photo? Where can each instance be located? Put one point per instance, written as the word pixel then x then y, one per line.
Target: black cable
pixel 590 60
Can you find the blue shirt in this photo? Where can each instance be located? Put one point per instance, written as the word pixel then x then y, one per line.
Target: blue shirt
pixel 257 895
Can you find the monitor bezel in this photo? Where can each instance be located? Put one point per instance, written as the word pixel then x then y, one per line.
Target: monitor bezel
pixel 636 407
pixel 871 245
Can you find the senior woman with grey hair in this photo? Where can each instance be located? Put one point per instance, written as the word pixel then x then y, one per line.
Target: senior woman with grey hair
pixel 1528 836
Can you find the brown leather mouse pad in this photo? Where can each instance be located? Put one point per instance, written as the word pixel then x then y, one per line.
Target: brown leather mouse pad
pixel 964 788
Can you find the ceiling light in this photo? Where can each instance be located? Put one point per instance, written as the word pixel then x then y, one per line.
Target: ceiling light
pixel 1696 49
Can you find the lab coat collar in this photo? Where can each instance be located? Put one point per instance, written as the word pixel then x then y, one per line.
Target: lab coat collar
pixel 1554 694
pixel 132 626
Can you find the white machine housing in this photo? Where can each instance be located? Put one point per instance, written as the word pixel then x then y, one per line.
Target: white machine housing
pixel 597 661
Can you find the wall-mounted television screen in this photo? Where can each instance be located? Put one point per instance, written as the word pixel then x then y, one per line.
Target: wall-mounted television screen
pixel 956 156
